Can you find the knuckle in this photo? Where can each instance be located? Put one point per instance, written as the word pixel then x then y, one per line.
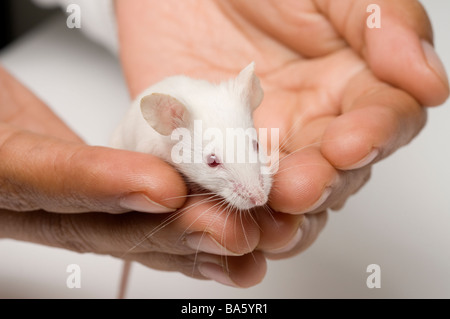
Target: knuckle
pixel 61 231
pixel 14 196
pixel 148 241
pixel 135 233
pixel 13 193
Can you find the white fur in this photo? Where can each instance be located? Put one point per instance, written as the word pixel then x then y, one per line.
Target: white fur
pixel 226 105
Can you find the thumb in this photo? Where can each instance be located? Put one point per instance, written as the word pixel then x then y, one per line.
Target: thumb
pixel 40 172
pixel 401 52
pixel 398 49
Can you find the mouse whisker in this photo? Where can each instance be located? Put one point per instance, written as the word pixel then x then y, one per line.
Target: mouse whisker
pixel 290 134
pixel 270 212
pixel 224 204
pixel 282 149
pixel 250 214
pixel 171 218
pixel 241 212
pixel 204 212
pixel 189 195
pixel 295 151
pixel 224 233
pixel 300 165
pixel 220 204
pixel 286 139
pixel 310 145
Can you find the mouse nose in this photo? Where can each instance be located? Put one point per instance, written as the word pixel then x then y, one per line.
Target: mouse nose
pixel 254 196
pixel 258 200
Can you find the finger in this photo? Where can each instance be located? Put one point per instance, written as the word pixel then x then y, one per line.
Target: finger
pixel 203 224
pixel 120 236
pixel 199 227
pixel 240 271
pixel 117 234
pixel 353 186
pixel 303 183
pixel 58 176
pixel 400 52
pixel 377 120
pixel 211 226
pixel 317 185
pixel 309 230
pixel 48 174
pixel 279 231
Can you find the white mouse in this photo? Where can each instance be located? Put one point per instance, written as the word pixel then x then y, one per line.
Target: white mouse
pixel 181 102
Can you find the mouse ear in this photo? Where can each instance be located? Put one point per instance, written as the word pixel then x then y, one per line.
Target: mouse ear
pixel 251 87
pixel 164 113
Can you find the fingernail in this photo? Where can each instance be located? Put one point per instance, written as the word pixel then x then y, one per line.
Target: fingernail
pixel 365 161
pixel 320 201
pixel 290 245
pixel 205 243
pixel 141 203
pixel 216 273
pixel 434 62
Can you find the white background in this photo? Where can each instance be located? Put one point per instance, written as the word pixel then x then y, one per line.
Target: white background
pixel 400 220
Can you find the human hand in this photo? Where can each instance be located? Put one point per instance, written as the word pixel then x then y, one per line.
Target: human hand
pixel 344 96
pixel 46 168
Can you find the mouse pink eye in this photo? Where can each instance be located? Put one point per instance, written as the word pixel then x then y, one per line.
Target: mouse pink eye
pixel 213 160
pixel 255 145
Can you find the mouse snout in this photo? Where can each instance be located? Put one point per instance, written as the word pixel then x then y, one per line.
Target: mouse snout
pixel 254 196
pixel 259 199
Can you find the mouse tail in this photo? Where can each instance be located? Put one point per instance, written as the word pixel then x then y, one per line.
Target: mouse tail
pixel 124 279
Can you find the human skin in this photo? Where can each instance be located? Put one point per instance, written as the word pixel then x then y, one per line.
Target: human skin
pixel 341 92
pixel 344 96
